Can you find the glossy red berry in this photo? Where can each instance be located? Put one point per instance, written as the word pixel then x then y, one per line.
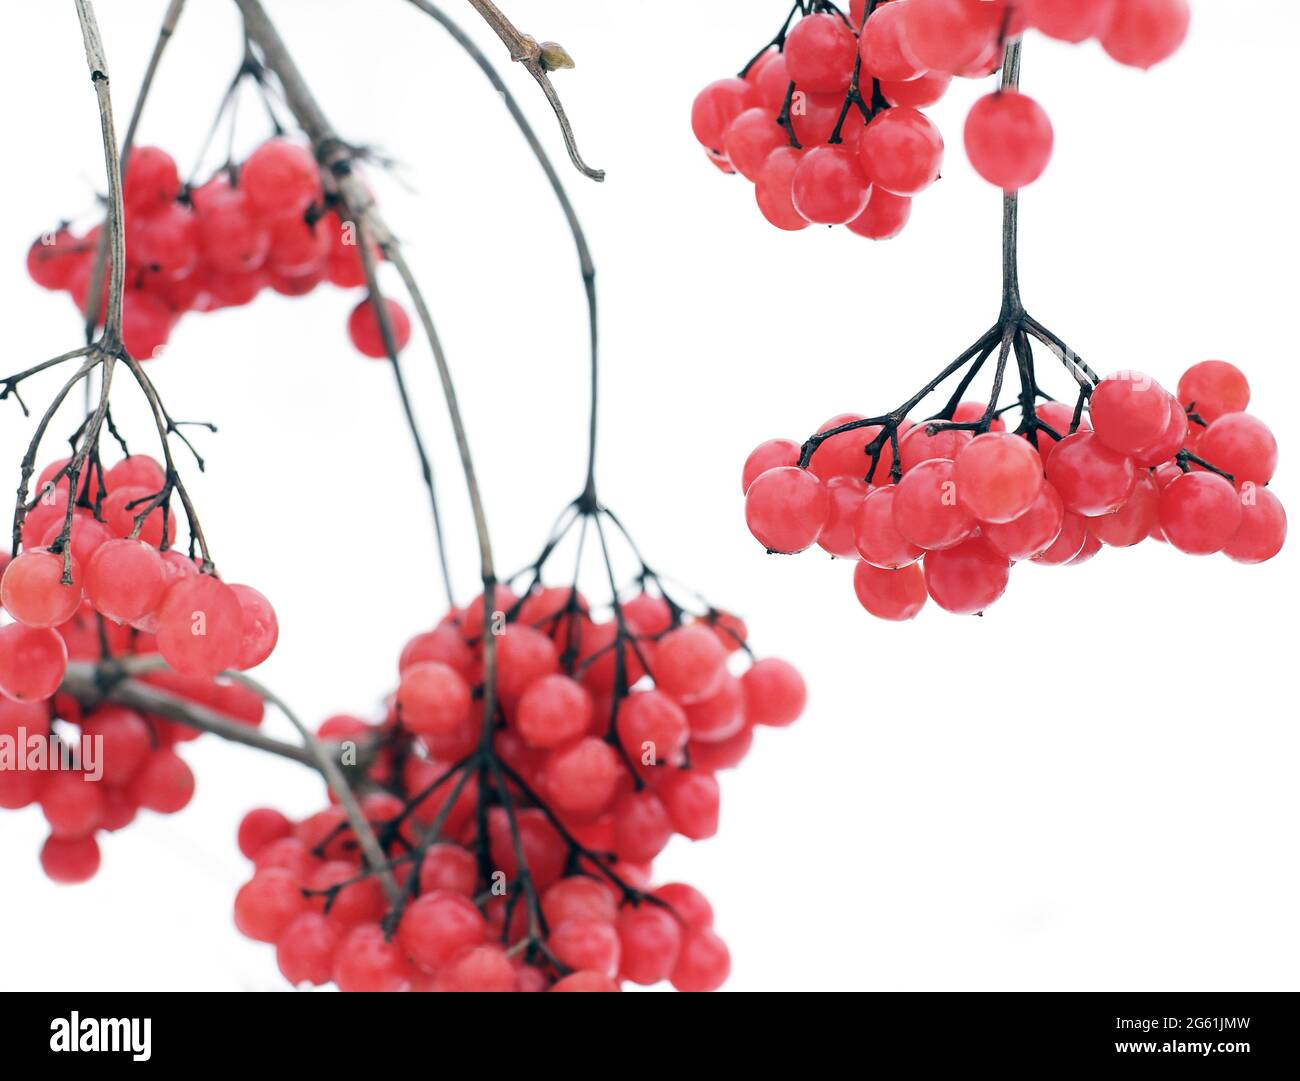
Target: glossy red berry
pixel 786 509
pixel 820 52
pixel 901 151
pixel 1008 139
pixel 365 332
pixel 829 186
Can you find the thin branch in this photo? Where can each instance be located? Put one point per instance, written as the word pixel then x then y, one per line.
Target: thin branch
pixel 338 783
pixel 585 262
pixel 540 60
pixel 335 156
pixel 115 225
pixel 170 19
pixel 389 338
pixel 91 684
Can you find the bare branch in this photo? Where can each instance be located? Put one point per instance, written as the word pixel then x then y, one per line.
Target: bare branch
pixel 335 157
pixel 333 774
pixel 113 167
pixel 90 684
pixel 540 60
pixel 170 19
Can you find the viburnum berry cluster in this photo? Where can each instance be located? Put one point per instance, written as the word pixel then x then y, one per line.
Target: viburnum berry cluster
pixel 265 223
pixel 942 507
pixel 111 549
pixel 91 765
pixel 496 830
pixel 517 850
pixel 826 120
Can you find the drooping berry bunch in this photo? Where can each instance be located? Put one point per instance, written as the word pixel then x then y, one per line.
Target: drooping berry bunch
pixel 521 849
pixel 826 121
pixel 91 768
pixel 112 550
pixel 943 508
pixel 266 223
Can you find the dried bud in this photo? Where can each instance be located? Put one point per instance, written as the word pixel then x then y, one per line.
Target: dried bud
pixel 554 56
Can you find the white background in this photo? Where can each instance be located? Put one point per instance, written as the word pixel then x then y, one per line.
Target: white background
pixel 1093 787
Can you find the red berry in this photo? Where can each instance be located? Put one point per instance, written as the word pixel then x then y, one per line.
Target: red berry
pixel 820 52
pixel 927 511
pixel 894 595
pixel 1144 32
pixel 33 661
pixel 363 328
pixel 1212 388
pixel 968 578
pixel 53 258
pixel 1092 479
pixel 259 628
pixel 69 860
pixel 1241 445
pixel 750 138
pixel 267 903
pixel 151 181
pixel 583 778
pixel 877 538
pixel 998 477
pixel 949 35
pixel 786 509
pixel 774 189
pixel 770 455
pixel 901 151
pixel 1070 20
pixel 125 742
pixel 125 580
pixel 366 961
pixel 885 217
pixel 692 799
pixel 650 940
pixel 1200 513
pixel 775 693
pixel 883 55
pixel 829 186
pixel 280 179
pixel 32 589
pixel 553 711
pixel 1132 523
pixel 690 663
pixel 200 626
pixel 1129 411
pixel 259 828
pixel 306 948
pixel 703 964
pixel 1263 528
pixel 716 106
pixel 1008 139
pixel 1033 532
pixel 164 784
pixel 433 699
pixel 439 925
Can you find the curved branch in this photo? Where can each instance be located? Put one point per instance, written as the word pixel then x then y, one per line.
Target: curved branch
pixel 540 60
pixel 114 227
pixel 91 684
pixel 336 157
pixel 585 261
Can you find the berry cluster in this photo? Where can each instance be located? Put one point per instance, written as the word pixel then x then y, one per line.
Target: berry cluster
pixel 91 769
pixel 826 120
pixel 522 851
pixel 116 558
pixel 942 509
pixel 264 224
